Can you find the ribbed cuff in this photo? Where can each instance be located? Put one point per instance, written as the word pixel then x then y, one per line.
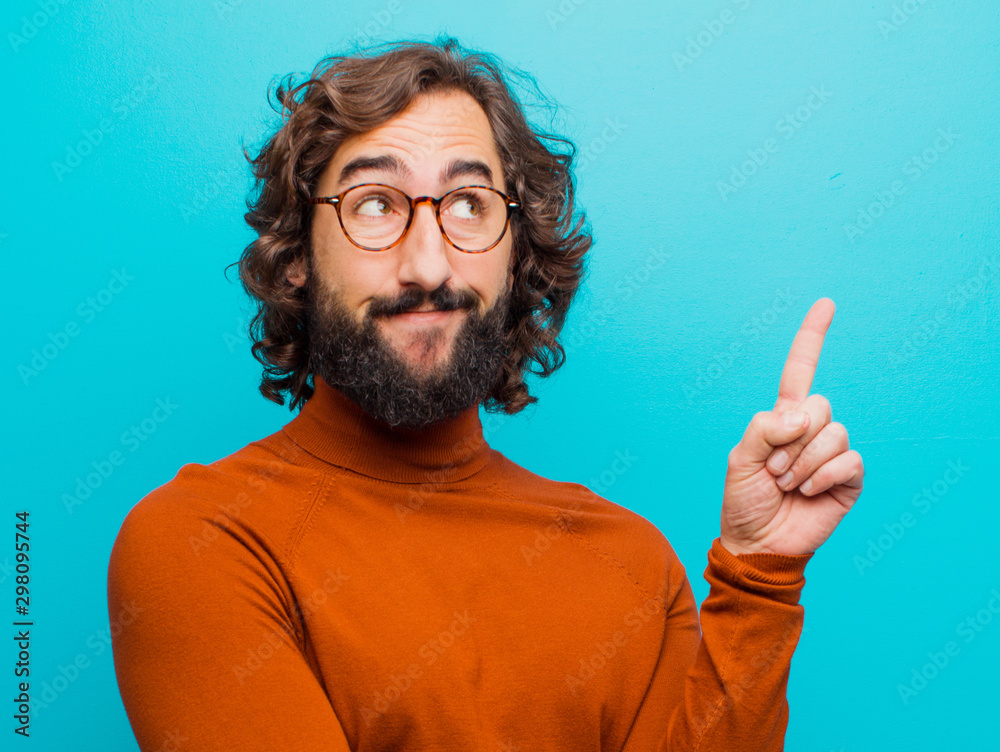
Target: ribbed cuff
pixel 777 575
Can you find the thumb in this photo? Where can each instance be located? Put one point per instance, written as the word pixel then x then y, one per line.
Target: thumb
pixel 768 429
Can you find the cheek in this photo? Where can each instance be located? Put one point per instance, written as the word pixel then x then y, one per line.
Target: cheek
pixel 486 286
pixel 353 273
pixel 358 279
pixel 486 276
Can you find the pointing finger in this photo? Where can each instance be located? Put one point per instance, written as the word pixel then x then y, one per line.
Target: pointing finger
pixel 800 367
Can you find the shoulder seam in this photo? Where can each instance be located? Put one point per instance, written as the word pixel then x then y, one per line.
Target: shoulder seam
pixel 313 501
pixel 566 525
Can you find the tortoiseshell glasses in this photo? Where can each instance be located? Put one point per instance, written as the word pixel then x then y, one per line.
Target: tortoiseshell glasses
pixel 376 216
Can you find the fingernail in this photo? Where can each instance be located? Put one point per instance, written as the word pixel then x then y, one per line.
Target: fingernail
pixel 794 420
pixel 804 488
pixel 784 479
pixel 779 461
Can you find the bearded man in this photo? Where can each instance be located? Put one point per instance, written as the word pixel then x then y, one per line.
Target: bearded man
pixel 374 576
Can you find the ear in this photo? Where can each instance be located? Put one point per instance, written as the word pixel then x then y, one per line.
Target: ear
pixel 295 273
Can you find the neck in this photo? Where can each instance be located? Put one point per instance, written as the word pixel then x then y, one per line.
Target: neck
pixel 336 430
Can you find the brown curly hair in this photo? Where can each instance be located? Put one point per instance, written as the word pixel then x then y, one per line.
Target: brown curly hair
pixel 354 93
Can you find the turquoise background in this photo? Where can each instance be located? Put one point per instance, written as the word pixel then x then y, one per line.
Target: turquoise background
pixel 669 356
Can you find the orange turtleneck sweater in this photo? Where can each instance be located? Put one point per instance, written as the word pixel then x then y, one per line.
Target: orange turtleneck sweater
pixel 340 585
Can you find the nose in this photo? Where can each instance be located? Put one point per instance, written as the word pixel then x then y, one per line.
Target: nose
pixel 423 253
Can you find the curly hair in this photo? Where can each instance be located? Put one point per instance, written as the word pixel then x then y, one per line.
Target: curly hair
pixel 351 94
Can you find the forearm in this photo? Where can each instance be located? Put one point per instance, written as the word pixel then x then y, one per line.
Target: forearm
pixel 726 690
pixel 735 691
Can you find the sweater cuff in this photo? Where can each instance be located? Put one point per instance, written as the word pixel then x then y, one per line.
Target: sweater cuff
pixel 777 575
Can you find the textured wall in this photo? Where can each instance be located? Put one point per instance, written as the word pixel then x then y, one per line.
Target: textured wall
pixel 738 161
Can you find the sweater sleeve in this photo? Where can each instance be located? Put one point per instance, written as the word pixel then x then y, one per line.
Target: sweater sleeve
pixel 720 684
pixel 206 637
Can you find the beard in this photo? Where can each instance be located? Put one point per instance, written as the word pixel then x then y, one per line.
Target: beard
pixel 359 361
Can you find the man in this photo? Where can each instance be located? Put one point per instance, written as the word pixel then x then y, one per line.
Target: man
pixel 374 576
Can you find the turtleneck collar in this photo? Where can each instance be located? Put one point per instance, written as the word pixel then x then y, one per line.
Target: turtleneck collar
pixel 333 428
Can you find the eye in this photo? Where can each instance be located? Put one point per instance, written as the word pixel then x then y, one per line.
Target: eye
pixel 373 206
pixel 465 206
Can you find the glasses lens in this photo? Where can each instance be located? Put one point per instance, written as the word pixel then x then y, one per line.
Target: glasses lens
pixel 374 215
pixel 473 218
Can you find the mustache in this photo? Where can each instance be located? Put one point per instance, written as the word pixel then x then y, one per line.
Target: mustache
pixel 442 299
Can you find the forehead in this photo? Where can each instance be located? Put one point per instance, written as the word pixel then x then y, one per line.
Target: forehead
pixel 436 129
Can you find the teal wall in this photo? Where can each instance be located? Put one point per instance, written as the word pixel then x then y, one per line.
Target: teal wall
pixel 739 160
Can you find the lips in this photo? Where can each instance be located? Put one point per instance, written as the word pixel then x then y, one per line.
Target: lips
pixel 428 317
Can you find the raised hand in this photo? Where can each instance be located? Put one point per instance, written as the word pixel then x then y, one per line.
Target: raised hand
pixel 792 477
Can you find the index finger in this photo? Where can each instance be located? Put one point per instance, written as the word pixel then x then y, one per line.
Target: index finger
pixel 797 377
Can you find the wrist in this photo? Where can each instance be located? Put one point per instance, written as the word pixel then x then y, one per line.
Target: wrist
pixel 740 548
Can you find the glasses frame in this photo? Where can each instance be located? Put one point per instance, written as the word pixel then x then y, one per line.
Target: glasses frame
pixel 509 203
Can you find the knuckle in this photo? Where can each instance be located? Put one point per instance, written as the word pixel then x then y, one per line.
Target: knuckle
pixel 807 462
pixel 822 406
pixel 838 434
pixel 759 422
pixel 733 460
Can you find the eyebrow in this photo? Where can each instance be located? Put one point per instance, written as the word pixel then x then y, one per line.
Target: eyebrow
pixel 393 165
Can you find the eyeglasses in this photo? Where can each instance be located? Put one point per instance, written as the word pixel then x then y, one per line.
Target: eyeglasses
pixel 375 216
